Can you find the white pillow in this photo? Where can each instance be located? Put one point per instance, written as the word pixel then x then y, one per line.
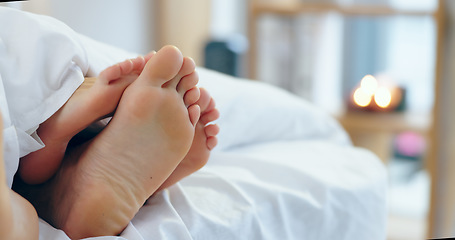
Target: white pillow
pixel 253 112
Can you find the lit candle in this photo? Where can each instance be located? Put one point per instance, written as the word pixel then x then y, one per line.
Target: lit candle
pixel 383 97
pixel 361 97
pixel 372 94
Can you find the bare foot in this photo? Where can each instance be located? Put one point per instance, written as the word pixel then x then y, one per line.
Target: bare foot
pixel 204 141
pixel 17 214
pixel 95 98
pixel 100 187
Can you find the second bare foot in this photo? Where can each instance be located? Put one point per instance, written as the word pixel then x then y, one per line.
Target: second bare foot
pixel 95 98
pixel 204 141
pixel 148 136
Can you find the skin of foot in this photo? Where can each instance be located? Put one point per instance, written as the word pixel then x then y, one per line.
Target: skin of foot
pixel 204 138
pixel 17 213
pixel 204 141
pixel 102 184
pixel 96 98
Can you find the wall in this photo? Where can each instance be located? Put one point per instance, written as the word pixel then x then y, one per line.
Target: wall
pixel 144 25
pixel 126 24
pixel 191 24
pixel 184 24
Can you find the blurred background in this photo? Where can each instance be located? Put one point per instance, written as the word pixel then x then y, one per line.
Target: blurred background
pixel 381 67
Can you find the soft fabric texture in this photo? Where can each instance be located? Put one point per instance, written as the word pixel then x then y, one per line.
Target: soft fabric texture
pixel 283 169
pixel 41 64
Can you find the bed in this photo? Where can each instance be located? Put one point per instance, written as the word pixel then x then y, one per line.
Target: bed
pixel 283 168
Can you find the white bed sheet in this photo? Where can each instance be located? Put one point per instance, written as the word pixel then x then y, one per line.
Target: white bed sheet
pixel 278 190
pixel 283 168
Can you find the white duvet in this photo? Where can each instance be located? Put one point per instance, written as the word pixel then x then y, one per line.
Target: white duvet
pixel 282 170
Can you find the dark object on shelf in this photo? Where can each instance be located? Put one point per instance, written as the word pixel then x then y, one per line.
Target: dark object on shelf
pixel 220 58
pixel 225 55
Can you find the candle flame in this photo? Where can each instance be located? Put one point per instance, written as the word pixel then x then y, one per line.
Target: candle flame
pixel 370 89
pixel 362 97
pixel 383 97
pixel 369 84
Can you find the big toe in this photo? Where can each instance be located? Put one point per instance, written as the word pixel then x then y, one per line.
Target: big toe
pixel 163 66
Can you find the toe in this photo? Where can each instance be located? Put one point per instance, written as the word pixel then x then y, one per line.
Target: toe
pixel 126 67
pixel 204 99
pixel 210 106
pixel 119 70
pixel 138 64
pixel 210 116
pixel 194 112
pixel 187 68
pixel 211 130
pixel 211 142
pixel 187 82
pixel 149 55
pixel 191 96
pixel 116 71
pixel 162 67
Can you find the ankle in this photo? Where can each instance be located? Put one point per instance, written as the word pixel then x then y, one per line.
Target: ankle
pixel 98 211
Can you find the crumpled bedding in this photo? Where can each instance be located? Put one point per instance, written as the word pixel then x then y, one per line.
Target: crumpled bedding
pixel 283 169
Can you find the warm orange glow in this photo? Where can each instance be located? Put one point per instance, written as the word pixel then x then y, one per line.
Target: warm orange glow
pixel 384 94
pixel 383 97
pixel 361 97
pixel 369 84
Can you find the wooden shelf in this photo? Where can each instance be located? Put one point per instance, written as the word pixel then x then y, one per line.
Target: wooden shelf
pixel 376 131
pixel 382 125
pixel 386 122
pixel 294 8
